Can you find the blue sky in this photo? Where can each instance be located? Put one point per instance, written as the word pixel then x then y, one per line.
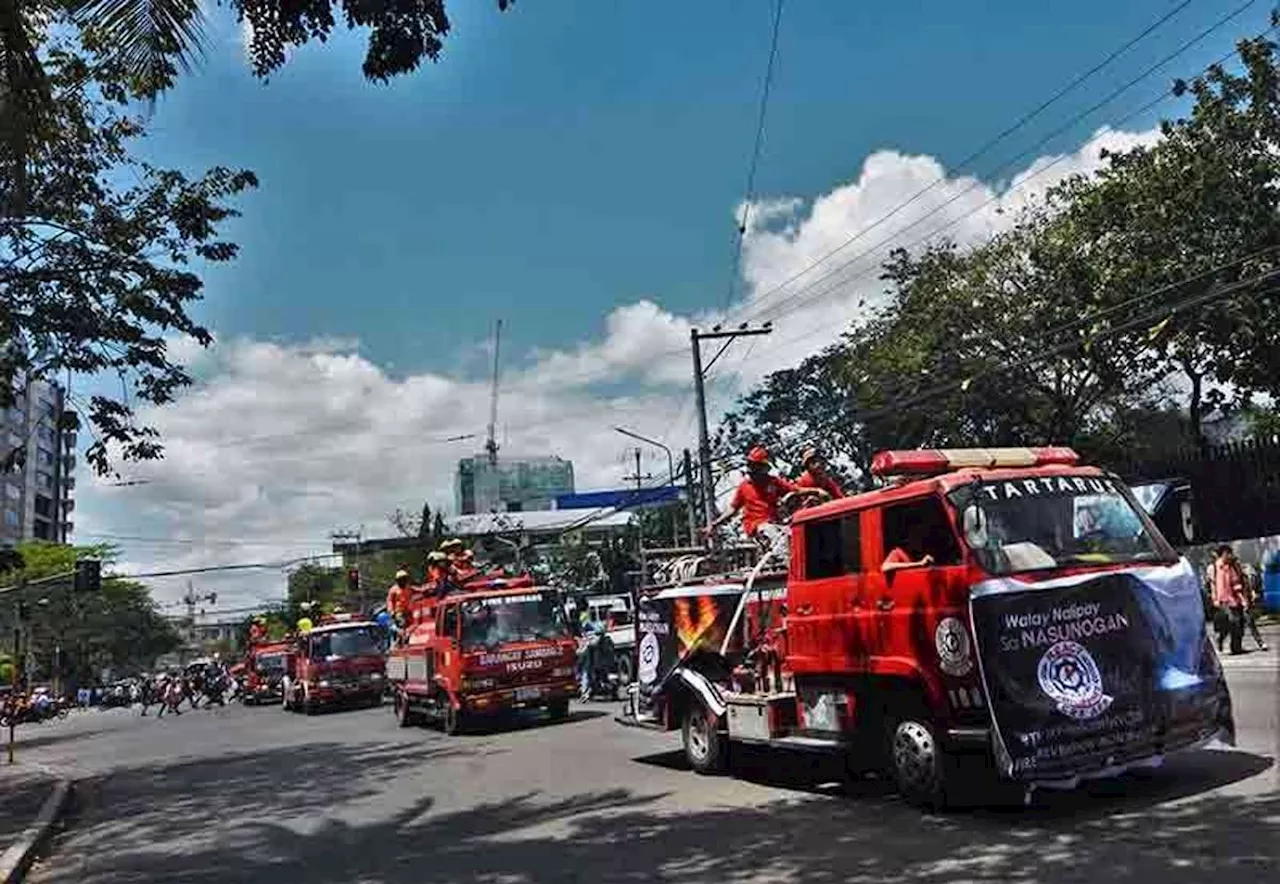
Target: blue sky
pixel 565 158
pixel 573 168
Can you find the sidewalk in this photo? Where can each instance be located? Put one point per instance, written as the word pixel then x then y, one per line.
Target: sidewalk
pixel 29 797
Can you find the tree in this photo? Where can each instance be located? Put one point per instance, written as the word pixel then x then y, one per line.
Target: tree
pixel 119 628
pixel 95 261
pixel 1188 217
pixel 150 41
pixel 316 583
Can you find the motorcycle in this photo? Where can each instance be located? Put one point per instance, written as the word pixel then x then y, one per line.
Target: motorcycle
pixel 605 678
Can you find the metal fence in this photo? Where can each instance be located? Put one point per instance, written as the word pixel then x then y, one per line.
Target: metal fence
pixel 1236 486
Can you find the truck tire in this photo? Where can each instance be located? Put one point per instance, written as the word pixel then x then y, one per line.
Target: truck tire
pixel 559 710
pixel 914 757
pixel 308 704
pixel 624 670
pixel 705 748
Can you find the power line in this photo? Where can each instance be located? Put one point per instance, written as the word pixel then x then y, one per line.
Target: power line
pixel 984 148
pixel 1164 96
pixel 211 569
pixel 755 161
pixel 761 309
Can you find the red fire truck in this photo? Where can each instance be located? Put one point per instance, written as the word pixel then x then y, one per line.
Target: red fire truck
pixel 265 671
pixel 496 646
pixel 985 617
pixel 339 662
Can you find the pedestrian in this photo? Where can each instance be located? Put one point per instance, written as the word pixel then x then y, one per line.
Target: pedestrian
pixel 1229 599
pixel 1253 601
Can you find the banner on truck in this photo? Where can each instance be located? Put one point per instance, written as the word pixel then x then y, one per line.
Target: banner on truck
pixel 1093 670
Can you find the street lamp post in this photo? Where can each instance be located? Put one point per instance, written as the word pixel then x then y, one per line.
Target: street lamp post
pixel 671 463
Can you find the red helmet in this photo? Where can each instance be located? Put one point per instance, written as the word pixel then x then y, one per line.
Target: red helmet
pixel 758 454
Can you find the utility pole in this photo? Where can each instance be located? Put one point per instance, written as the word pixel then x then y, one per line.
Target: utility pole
pixel 638 478
pixel 689 492
pixel 704 437
pixel 191 600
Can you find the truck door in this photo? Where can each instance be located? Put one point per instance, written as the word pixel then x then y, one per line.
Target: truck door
pixel 823 595
pixel 447 658
pixel 908 603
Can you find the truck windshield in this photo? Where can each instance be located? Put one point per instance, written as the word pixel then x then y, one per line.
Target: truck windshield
pixel 488 623
pixel 269 664
pixel 355 642
pixel 1049 522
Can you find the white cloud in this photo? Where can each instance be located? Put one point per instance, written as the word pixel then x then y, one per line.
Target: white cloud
pixel 280 443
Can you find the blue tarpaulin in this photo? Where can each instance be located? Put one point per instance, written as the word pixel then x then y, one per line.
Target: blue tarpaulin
pixel 621 498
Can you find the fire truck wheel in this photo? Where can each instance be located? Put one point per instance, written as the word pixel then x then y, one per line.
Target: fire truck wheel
pixel 915 760
pixel 308 704
pixel 559 710
pixel 704 746
pixel 454 719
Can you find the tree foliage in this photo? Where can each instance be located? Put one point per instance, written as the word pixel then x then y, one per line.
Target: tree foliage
pixel 119 628
pixel 98 257
pixel 1114 314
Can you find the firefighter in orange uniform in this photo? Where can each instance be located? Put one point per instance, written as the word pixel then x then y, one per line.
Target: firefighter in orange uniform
pixel 398 598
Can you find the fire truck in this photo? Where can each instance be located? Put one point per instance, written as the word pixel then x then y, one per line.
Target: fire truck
pixel 265 671
pixel 984 618
pixel 493 647
pixel 339 662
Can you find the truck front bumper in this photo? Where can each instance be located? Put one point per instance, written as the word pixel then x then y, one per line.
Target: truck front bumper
pixel 533 696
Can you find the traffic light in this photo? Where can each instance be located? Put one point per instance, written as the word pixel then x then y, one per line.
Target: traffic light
pixel 88 575
pixel 353 580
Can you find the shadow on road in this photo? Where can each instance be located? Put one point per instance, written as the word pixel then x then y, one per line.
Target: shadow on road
pixel 1187 774
pixel 1132 829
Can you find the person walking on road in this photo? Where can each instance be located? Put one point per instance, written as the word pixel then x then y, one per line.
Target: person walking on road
pixel 1229 599
pixel 1253 600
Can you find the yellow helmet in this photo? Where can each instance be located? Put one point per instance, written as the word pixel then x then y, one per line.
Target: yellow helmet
pixel 402 573
pixel 437 557
pixel 451 544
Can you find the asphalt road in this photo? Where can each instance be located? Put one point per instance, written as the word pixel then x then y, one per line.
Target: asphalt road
pixel 256 795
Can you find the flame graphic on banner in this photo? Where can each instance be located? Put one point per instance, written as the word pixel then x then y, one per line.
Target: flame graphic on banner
pixel 696 626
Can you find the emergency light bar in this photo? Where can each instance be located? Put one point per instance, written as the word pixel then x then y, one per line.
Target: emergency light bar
pixel 932 462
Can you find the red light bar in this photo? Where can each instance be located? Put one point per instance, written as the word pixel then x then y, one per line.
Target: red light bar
pixel 932 462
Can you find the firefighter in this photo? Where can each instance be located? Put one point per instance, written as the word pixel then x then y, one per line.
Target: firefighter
pixel 815 474
pixel 757 499
pixel 258 630
pixel 438 578
pixel 464 567
pixel 398 598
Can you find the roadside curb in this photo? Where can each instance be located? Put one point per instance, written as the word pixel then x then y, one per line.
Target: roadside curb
pixel 15 861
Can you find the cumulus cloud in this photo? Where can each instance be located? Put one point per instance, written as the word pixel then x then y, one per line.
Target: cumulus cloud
pixel 280 443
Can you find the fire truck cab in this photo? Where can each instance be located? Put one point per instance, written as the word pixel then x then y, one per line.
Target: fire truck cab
pixel 493 647
pixel 265 669
pixel 987 616
pixel 339 662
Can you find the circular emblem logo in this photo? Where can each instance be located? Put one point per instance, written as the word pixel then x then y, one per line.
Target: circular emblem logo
pixel 953 647
pixel 1070 677
pixel 649 652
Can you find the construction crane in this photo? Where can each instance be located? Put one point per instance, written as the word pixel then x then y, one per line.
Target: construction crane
pixel 491 443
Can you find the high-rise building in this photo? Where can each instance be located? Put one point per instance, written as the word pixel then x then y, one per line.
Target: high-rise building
pixel 36 496
pixel 513 484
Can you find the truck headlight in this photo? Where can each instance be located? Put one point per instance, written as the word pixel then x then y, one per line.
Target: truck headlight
pixel 324 682
pixel 562 672
pixel 478 684
pixel 376 676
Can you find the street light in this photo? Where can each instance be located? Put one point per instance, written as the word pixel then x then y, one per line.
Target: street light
pixel 671 463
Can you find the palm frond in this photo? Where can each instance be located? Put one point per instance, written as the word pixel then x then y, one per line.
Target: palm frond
pixel 150 39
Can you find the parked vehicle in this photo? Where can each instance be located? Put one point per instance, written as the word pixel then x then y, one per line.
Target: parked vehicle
pixel 987 617
pixel 495 647
pixel 339 663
